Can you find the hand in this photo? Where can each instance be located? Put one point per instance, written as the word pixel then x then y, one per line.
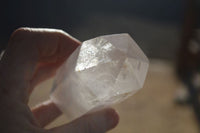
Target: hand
pixel 32 56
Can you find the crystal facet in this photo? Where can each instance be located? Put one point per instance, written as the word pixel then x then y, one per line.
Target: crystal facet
pixel 102 71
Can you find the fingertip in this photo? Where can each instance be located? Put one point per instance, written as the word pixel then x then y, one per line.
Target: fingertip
pixel 112 117
pixel 46 112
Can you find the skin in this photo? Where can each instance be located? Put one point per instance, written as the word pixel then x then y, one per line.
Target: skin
pixel 32 56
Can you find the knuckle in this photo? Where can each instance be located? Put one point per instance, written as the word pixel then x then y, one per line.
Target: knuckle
pixel 19 33
pixel 61 33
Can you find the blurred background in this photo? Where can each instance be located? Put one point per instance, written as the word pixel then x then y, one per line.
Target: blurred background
pixel 166 30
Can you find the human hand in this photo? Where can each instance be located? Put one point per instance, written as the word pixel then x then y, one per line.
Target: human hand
pixel 32 56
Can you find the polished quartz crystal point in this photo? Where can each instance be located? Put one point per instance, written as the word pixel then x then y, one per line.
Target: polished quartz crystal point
pixel 102 71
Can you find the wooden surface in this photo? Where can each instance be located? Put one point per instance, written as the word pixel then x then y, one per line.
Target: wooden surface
pixel 151 110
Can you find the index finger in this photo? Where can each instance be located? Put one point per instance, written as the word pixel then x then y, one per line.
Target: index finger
pixel 29 51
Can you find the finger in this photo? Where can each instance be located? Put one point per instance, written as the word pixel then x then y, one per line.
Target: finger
pixel 42 73
pixel 48 64
pixel 46 112
pixel 27 52
pixel 96 122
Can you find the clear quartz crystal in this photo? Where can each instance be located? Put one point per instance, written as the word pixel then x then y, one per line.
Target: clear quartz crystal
pixel 102 71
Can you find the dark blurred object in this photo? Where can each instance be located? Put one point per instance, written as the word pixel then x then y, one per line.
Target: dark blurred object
pixel 188 66
pixel 154 24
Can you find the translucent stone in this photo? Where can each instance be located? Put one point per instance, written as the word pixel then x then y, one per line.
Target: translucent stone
pixel 102 71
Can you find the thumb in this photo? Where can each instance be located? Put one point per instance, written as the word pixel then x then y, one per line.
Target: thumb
pixel 95 122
